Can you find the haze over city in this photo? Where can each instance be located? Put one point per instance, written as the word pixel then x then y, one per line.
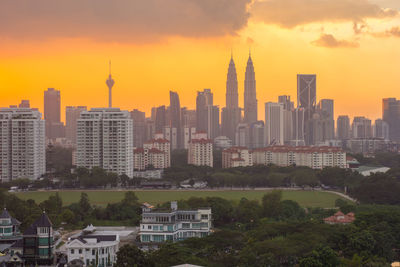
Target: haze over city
pixel 350 45
pixel 171 133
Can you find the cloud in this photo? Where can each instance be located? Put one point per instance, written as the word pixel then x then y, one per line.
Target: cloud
pixel 121 20
pixel 395 31
pixel 291 13
pixel 392 32
pixel 328 40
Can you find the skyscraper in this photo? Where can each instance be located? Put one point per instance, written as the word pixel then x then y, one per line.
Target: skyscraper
pixel 298 127
pixel 343 127
pixel 361 128
pixel 71 116
pixel 160 119
pixel 288 107
pixel 326 112
pixel 138 127
pixel 250 95
pixel 306 99
pixel 22 144
pixel 203 100
pixel 104 139
pixel 274 122
pixel 24 104
pixel 212 121
pixel 52 109
pixel 391 114
pixel 231 113
pixel 232 95
pixel 175 117
pixel 381 129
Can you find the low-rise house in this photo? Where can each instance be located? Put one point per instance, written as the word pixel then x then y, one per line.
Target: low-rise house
pixel 173 224
pixel 340 218
pixel 92 249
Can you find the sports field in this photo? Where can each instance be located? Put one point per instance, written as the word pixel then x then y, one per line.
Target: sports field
pixel 102 198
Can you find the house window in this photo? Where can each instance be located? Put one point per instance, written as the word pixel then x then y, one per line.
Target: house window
pixel 72 251
pixel 80 251
pixel 93 252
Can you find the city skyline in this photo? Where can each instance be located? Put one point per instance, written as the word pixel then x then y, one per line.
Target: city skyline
pixel 191 100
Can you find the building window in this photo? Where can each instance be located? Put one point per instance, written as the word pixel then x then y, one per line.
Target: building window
pixel 80 251
pixel 93 252
pixel 72 251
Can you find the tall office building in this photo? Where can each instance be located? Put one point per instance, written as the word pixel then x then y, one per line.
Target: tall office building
pixel 160 120
pixel 391 114
pixel 24 104
pixel 287 103
pixel 232 95
pixel 71 117
pixel 104 139
pixel 274 122
pixel 22 144
pixel 231 113
pixel 326 106
pixel 257 135
pixel 138 127
pixel 361 128
pixel 212 122
pixel 52 109
pixel 203 100
pixel 175 117
pixel 381 129
pixel 242 135
pixel 288 107
pixel 298 127
pixel 306 99
pixel 343 127
pixel 250 95
pixel 327 122
pixel 188 118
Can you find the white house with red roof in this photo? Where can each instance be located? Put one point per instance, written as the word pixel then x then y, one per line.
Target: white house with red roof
pixel 340 218
pixel 236 157
pixel 200 150
pixel 155 152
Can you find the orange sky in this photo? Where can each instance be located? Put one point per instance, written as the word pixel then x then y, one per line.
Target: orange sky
pixel 357 70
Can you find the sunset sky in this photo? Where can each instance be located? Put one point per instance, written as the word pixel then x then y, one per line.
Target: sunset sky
pixel 185 45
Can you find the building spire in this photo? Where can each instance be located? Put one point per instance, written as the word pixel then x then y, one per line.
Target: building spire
pixel 110 83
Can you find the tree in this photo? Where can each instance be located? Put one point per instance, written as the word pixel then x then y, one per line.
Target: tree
pixel 67 216
pixel 124 179
pixel 131 256
pixel 84 204
pixel 271 203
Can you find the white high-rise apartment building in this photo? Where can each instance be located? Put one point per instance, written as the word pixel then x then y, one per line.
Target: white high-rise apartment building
pixel 104 139
pixel 22 144
pixel 200 150
pixel 274 122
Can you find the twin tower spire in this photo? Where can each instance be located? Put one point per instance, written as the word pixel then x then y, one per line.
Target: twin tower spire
pixel 250 95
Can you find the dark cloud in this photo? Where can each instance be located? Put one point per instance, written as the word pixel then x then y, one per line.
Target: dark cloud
pixel 291 13
pixel 121 19
pixel 328 40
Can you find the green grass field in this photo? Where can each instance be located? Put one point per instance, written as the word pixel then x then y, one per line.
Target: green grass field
pixel 102 198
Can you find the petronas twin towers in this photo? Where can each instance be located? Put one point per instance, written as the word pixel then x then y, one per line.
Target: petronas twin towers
pixel 231 114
